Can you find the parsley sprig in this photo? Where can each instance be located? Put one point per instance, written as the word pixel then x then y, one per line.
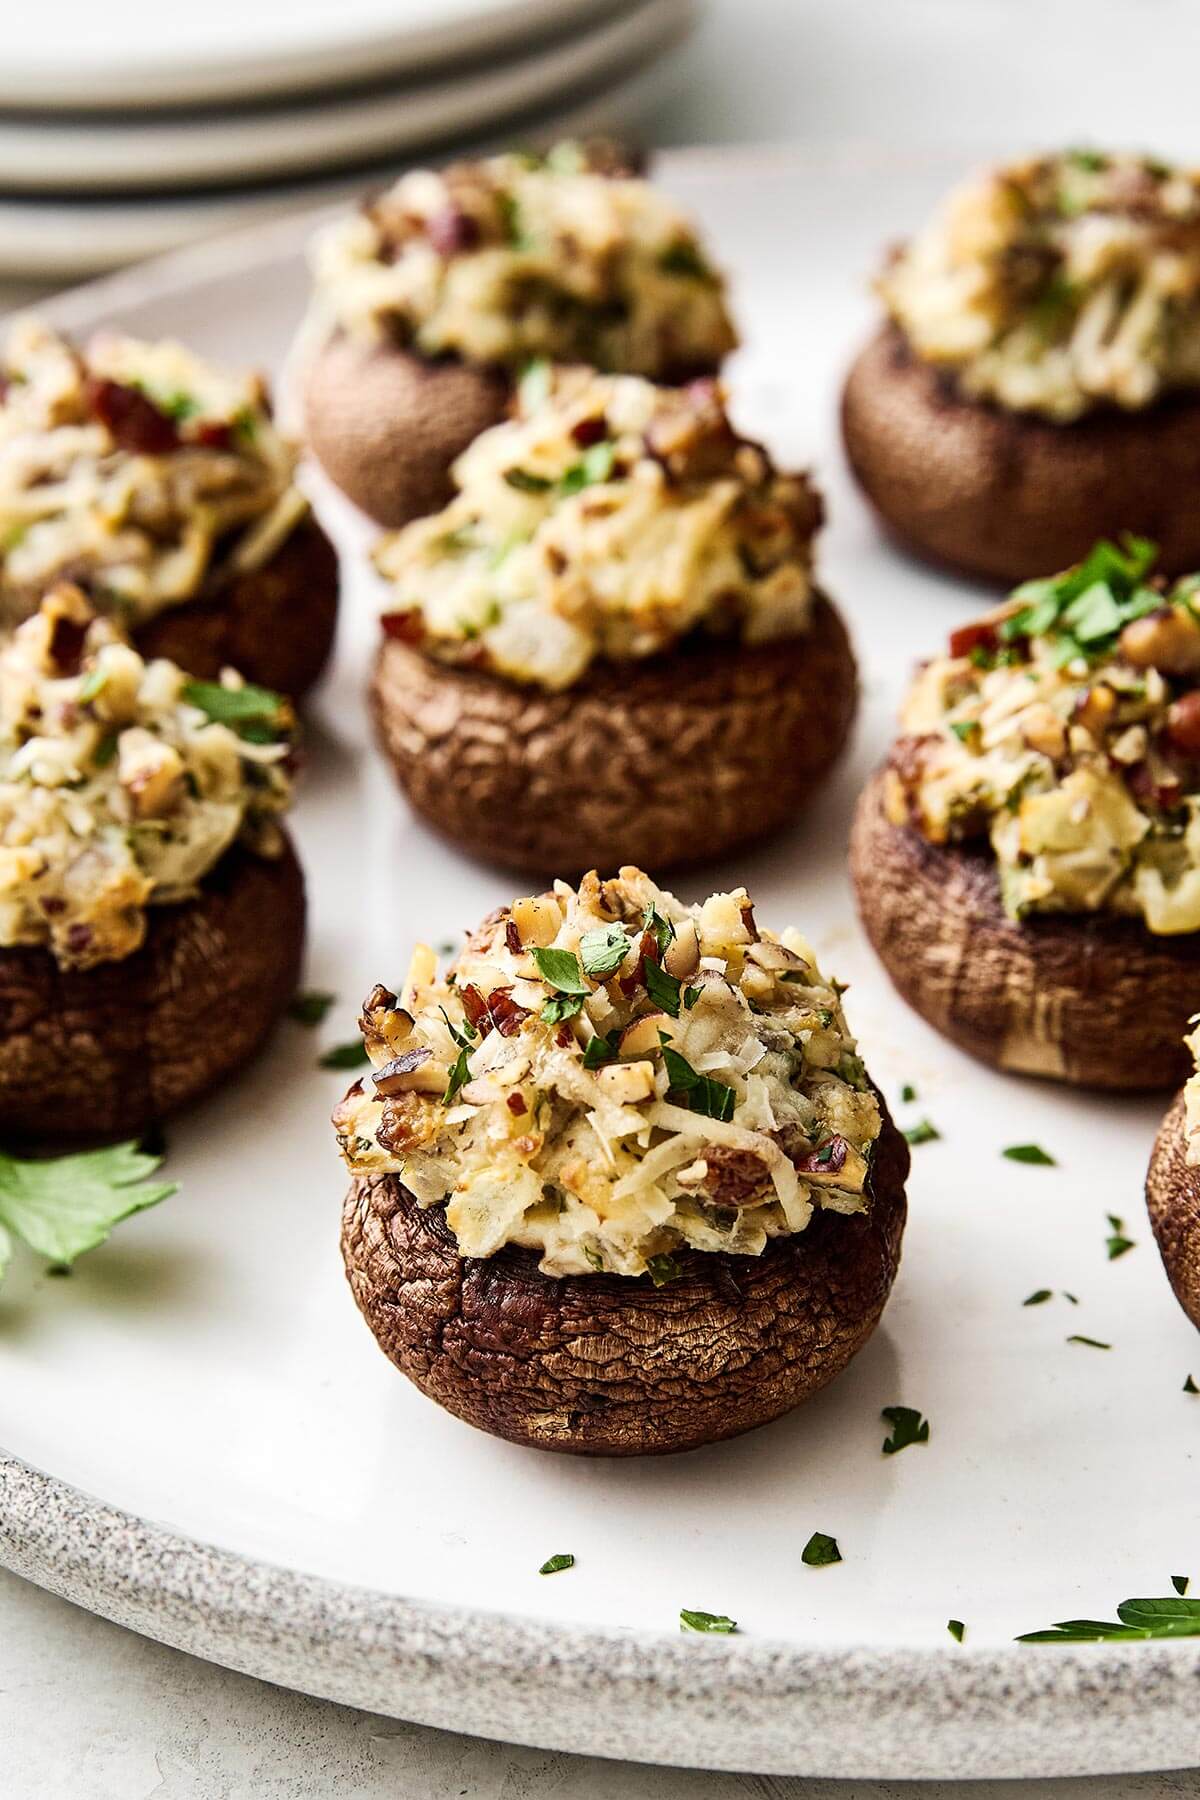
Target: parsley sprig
pixel 908 1427
pixel 65 1205
pixel 1171 1617
pixel 1085 610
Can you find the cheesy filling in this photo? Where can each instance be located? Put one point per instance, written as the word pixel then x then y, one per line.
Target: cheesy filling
pixel 1058 285
pixel 608 518
pixel 122 782
pixel 606 1075
pixel 565 256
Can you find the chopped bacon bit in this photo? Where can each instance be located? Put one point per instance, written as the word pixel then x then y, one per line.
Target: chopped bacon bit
pixel 827 1159
pixel 407 626
pixel 973 637
pixel 516 1104
pixel 512 936
pixel 476 1008
pixel 133 419
pixel 507 1016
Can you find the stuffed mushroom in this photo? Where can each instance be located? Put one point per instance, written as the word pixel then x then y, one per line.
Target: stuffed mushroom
pixel 151 907
pixel 430 300
pixel 620 1181
pixel 1173 1190
pixel 611 643
pixel 1037 381
pixel 1028 862
pixel 161 486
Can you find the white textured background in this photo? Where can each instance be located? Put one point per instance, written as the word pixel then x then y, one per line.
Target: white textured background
pixel 91 1712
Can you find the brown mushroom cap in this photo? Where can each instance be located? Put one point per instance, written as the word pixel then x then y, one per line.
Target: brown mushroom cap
pixel 1090 999
pixel 602 1365
pixel 1006 496
pixel 671 760
pixel 88 1054
pixel 274 625
pixel 386 424
pixel 1173 1202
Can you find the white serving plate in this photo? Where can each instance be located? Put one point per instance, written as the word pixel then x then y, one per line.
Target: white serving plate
pixel 137 53
pixel 158 152
pixel 229 1464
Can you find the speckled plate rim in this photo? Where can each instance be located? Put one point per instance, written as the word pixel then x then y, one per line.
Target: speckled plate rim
pixel 705 1703
pixel 718 1703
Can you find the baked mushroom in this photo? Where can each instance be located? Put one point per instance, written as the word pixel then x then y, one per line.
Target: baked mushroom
pixel 611 644
pixel 433 296
pixel 151 908
pixel 1173 1190
pixel 620 1181
pixel 1037 380
pixel 162 488
pixel 1027 864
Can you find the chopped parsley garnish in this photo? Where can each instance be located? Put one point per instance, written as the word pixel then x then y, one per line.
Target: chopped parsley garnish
pixel 1038 1297
pixel 464 1035
pixel 460 1074
pixel 1092 1343
pixel 560 968
pixel 908 1427
pixel 1168 1618
pixel 908 1092
pixel 705 1621
pixel 64 1205
pixel 593 467
pixel 345 1056
pixel 1029 1153
pixel 600 1050
pixel 534 383
pixel 92 684
pixel 662 1269
pixel 690 997
pixel 561 1006
pixel 957 1629
pixel 662 988
pixel 820 1551
pixel 701 1093
pixel 660 929
pixel 526 482
pixel 685 260
pixel 1116 1243
pixel 603 951
pixel 965 729
pixel 255 713
pixel 1189 1386
pixel 852 1071
pixel 310 1006
pixel 922 1133
pixel 105 751
pixel 1181 1583
pixel 554 1564
pixel 1085 610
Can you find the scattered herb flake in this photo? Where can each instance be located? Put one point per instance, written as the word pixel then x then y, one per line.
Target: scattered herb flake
pixel 345 1056
pixel 690 997
pixel 92 684
pixel 63 1206
pixel 1189 1386
pixel 553 1564
pixel 593 467
pixel 1073 1298
pixel 561 1006
pixel 310 1006
pixel 1181 1583
pixel 1166 1618
pixel 460 1074
pixel 254 713
pixel 1116 1243
pixel 603 951
pixel 705 1621
pixel 662 988
pixel 662 1269
pixel 820 1551
pixel 1039 1297
pixel 600 1050
pixel 702 1094
pixel 922 1133
pixel 908 1427
pixel 1092 1343
pixel 1029 1153
pixel 957 1629
pixel 908 1092
pixel 561 969
pixel 526 482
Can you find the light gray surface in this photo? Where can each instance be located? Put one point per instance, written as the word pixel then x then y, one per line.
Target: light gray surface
pixel 91 1712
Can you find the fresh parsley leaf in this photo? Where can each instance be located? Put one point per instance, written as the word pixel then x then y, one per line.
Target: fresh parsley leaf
pixel 1038 1297
pixel 526 482
pixel 92 684
pixel 820 1551
pixel 1029 1153
pixel 64 1205
pixel 660 929
pixel 1167 1618
pixel 1189 1386
pixel 1181 1583
pixel 703 1095
pixel 662 988
pixel 705 1621
pixel 560 968
pixel 908 1427
pixel 603 951
pixel 345 1056
pixel 922 1133
pixel 460 1074
pixel 1073 1298
pixel 690 997
pixel 1092 1343
pixel 957 1629
pixel 1117 1243
pixel 965 729
pixel 561 1006
pixel 908 1092
pixel 310 1006
pixel 255 713
pixel 600 1050
pixel 553 1564
pixel 464 1035
pixel 593 467
pixel 662 1269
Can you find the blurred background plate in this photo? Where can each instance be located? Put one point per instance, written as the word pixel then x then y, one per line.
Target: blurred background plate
pixel 169 151
pixel 74 53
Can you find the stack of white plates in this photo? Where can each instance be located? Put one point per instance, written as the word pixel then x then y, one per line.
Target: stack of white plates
pixel 131 126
